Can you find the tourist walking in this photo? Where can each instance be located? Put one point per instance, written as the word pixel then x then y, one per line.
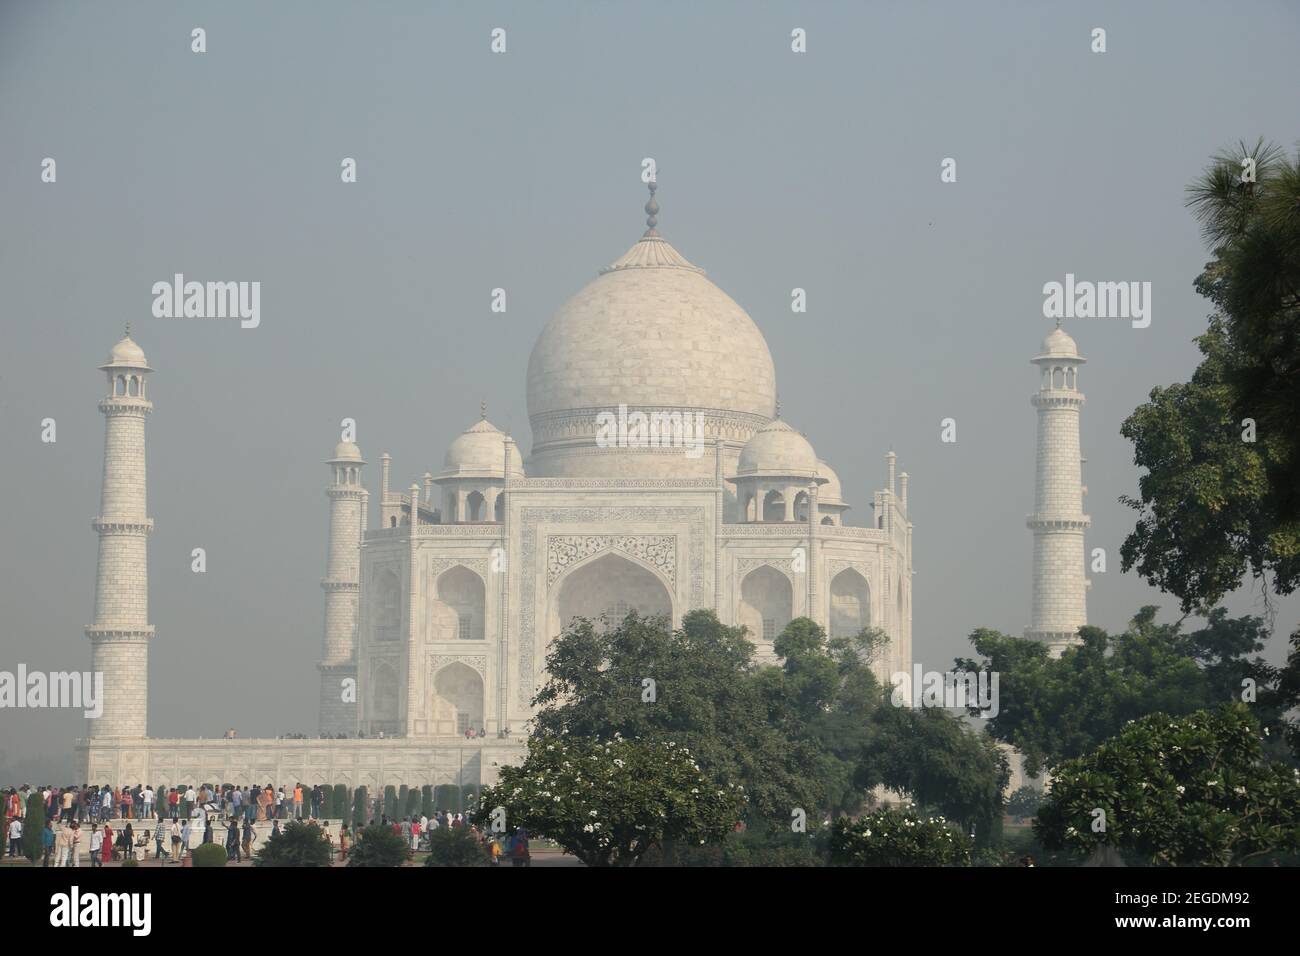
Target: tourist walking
pixel 47 843
pixel 232 841
pixel 62 846
pixel 96 846
pixel 106 846
pixel 250 837
pixel 15 837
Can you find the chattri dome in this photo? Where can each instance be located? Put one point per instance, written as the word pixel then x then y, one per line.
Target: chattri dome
pixel 778 451
pixel 479 452
pixel 830 492
pixel 126 354
pixel 1058 344
pixel 346 451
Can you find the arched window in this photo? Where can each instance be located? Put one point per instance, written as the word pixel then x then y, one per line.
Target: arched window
pixel 461 611
pixel 605 590
pixel 766 606
pixel 133 386
pixel 475 506
pixel 850 603
pixel 388 606
pixel 119 385
pixel 801 506
pixel 499 509
pixel 774 506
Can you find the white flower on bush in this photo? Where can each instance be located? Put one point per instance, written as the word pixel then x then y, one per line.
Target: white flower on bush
pixel 1181 789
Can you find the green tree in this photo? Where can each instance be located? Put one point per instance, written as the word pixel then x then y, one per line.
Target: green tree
pixel 33 824
pixel 378 845
pixel 360 809
pixel 705 696
pixel 1184 790
pixel 1024 802
pixel 608 803
pixel 446 796
pixel 455 846
pixel 298 844
pixel 411 807
pixel 897 838
pixel 1216 503
pixel 390 802
pixel 1053 709
pixel 427 808
pixel 942 764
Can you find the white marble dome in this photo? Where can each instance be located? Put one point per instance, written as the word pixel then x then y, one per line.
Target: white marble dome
pixel 1058 344
pixel 346 451
pixel 830 492
pixel 479 452
pixel 127 353
pixel 778 451
pixel 651 331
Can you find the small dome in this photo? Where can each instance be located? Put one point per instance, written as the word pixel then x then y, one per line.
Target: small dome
pixel 347 451
pixel 1058 344
pixel 830 492
pixel 778 451
pixel 127 354
pixel 479 452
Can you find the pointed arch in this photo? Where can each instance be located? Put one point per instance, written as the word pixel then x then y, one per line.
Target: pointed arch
pixel 766 606
pixel 850 603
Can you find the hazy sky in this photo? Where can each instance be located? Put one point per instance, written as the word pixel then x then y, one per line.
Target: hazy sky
pixel 522 171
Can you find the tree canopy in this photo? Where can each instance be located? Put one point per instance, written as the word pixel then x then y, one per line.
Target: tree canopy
pixel 815 733
pixel 1195 789
pixel 1220 499
pixel 1054 709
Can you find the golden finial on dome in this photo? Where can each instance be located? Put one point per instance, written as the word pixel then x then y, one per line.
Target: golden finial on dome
pixel 482 410
pixel 652 210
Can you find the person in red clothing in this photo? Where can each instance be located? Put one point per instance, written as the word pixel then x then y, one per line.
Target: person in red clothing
pixel 106 849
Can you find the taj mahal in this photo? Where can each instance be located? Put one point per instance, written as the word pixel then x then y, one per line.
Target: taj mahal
pixel 443 595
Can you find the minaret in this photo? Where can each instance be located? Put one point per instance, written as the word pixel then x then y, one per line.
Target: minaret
pixel 342 586
pixel 1060 604
pixel 120 634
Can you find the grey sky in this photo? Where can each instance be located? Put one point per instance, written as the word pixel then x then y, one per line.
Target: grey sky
pixel 521 171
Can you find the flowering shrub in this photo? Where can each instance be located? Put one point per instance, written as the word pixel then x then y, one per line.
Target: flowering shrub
pixel 898 838
pixel 1185 790
pixel 609 802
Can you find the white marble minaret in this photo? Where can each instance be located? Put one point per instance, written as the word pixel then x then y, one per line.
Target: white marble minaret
pixel 120 634
pixel 1060 605
pixel 342 586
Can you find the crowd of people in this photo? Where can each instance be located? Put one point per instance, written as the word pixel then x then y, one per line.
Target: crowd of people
pixel 89 804
pixel 121 823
